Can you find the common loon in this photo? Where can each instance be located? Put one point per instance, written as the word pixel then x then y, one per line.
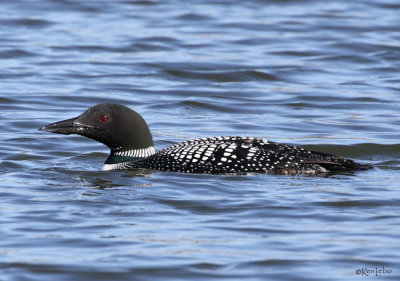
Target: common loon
pixel 131 145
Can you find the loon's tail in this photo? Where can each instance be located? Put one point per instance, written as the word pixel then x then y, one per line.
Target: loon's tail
pixel 336 164
pixel 350 165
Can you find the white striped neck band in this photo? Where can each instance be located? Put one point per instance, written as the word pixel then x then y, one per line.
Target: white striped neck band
pixel 139 153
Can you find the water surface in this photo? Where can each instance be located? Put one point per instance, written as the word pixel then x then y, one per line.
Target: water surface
pixel 323 75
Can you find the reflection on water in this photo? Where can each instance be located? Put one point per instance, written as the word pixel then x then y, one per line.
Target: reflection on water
pixel 320 75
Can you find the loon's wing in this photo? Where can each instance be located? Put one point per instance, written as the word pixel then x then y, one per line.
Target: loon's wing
pixel 221 155
pixel 320 162
pixel 300 155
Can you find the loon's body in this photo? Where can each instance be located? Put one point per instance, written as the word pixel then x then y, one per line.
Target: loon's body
pixel 131 147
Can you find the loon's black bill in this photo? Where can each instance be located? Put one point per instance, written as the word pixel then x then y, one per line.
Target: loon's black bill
pixel 65 127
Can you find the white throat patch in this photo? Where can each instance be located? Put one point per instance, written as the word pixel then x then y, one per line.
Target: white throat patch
pixel 140 153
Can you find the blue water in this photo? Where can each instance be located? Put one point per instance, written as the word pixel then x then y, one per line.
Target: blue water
pixel 318 74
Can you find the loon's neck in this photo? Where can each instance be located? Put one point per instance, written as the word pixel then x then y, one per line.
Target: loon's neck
pixel 118 156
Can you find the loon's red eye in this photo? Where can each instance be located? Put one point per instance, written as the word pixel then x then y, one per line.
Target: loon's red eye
pixel 104 118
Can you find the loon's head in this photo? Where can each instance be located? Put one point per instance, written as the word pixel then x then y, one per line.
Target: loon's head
pixel 117 126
